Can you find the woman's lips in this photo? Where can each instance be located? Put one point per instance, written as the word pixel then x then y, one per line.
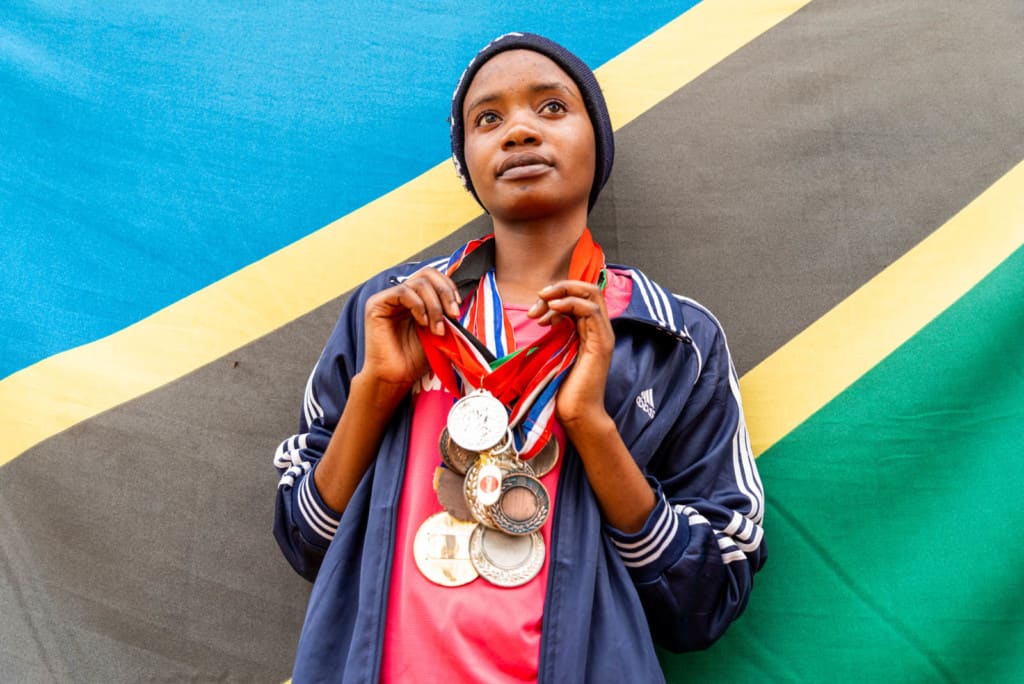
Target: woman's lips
pixel 523 165
pixel 527 171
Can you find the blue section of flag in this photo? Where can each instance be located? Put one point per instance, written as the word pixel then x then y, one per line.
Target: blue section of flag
pixel 149 149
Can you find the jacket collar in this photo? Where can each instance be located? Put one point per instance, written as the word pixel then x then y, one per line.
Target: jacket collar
pixel 653 305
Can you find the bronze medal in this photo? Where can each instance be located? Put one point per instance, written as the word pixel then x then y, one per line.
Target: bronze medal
pixel 454 456
pixel 506 560
pixel 523 506
pixel 441 550
pixel 449 488
pixel 544 461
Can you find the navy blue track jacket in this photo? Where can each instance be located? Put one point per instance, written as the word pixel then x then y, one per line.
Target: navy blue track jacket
pixel 679 582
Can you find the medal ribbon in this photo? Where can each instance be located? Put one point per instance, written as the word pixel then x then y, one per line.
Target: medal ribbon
pixel 478 351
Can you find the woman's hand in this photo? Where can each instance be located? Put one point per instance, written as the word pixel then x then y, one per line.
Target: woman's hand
pixel 394 356
pixel 625 497
pixel 393 361
pixel 580 399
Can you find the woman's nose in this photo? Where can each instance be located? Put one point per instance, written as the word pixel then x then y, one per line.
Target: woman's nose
pixel 521 131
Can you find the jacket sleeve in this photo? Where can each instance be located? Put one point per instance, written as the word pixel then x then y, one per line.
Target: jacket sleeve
pixel 303 524
pixel 694 560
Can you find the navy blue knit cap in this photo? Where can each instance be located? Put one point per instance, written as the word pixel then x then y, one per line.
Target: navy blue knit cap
pixel 575 68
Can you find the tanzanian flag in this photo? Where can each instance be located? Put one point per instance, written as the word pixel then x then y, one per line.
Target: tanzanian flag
pixel 188 190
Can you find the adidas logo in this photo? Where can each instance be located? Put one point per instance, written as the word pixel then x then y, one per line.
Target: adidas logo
pixel 645 400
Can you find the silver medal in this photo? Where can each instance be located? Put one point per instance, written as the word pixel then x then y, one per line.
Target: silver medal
pixel 477 421
pixel 506 560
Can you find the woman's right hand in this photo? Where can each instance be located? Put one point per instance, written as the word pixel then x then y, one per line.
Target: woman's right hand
pixel 394 357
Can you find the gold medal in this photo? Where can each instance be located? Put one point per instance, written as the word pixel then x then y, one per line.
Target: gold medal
pixel 483 484
pixel 441 550
pixel 488 483
pixel 523 506
pixel 506 560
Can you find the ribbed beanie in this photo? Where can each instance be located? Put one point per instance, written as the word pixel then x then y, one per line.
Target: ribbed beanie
pixel 577 70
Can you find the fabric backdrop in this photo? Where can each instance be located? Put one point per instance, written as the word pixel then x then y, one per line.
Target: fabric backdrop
pixel 188 190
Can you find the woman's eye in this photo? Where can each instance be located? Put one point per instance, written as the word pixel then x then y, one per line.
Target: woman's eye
pixel 554 107
pixel 486 119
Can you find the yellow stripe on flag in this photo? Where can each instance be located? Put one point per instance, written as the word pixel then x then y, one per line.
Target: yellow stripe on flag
pixel 811 369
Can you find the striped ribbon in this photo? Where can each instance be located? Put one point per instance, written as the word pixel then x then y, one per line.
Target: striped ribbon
pixel 479 351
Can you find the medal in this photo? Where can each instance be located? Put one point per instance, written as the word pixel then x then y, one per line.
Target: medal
pixel 454 456
pixel 488 484
pixel 477 421
pixel 523 506
pixel 545 460
pixel 478 351
pixel 483 483
pixel 441 550
pixel 511 388
pixel 503 559
pixel 505 450
pixel 449 485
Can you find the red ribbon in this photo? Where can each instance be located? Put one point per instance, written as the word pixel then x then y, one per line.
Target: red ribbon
pixel 521 374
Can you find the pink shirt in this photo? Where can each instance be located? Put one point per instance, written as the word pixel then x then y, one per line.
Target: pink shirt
pixel 478 632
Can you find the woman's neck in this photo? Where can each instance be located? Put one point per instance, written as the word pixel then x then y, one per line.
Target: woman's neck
pixel 531 255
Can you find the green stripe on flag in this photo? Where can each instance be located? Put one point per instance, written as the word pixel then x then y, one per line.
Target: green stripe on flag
pixel 894 517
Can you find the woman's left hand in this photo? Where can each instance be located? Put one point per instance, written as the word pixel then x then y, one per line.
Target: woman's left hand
pixel 623 493
pixel 580 399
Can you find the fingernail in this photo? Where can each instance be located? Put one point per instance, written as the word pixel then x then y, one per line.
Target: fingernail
pixel 439 328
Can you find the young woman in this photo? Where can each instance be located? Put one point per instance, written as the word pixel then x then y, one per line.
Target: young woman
pixel 518 463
